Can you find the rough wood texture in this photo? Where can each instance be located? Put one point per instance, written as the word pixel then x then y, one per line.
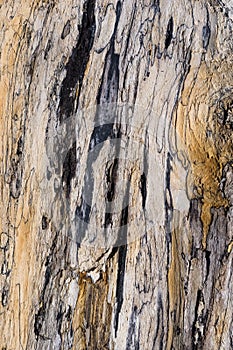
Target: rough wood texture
pixel 116 220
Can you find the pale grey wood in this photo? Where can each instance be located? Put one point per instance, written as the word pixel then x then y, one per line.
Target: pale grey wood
pixel 116 164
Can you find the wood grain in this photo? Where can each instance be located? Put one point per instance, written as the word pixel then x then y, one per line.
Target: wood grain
pixel 116 174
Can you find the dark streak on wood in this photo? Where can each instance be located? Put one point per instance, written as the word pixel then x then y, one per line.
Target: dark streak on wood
pixel 159 332
pixel 44 222
pixel 169 33
pixel 111 179
pixel 66 30
pixel 206 32
pixel 122 243
pixel 69 169
pixel 120 283
pixel 99 135
pixel 198 320
pixel 77 63
pixel 143 189
pixel 5 295
pixel 207 256
pixel 47 49
pixel 131 336
pixel 109 86
pixel 44 297
pixel 168 205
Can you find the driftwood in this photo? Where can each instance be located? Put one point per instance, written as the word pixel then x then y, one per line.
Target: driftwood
pixel 116 175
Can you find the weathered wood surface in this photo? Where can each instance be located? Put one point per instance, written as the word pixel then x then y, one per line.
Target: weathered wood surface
pixel 116 222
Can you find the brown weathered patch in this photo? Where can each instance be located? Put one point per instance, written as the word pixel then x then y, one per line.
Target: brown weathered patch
pixel 202 123
pixel 92 315
pixel 176 292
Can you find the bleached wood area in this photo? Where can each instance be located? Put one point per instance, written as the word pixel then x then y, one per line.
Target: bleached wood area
pixel 116 174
